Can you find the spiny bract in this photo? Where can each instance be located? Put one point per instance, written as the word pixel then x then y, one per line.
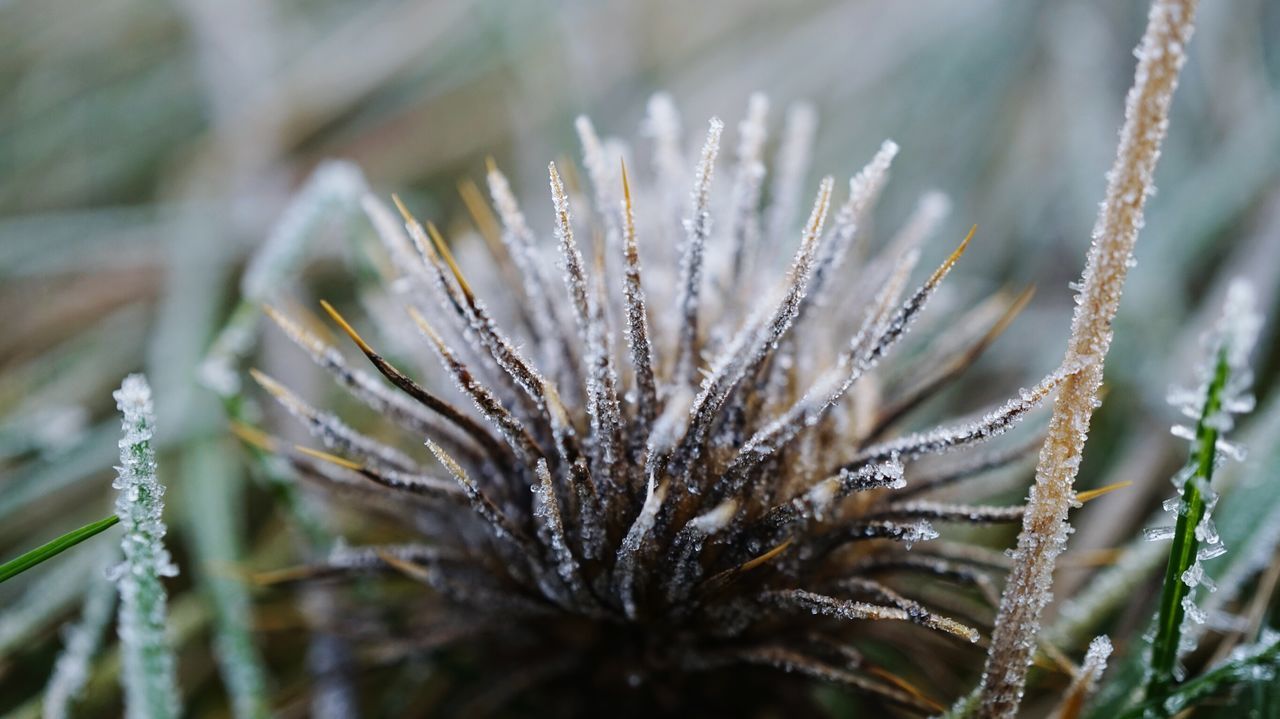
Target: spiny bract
pixel 666 475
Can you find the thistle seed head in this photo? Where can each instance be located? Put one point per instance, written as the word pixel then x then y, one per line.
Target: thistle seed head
pixel 659 453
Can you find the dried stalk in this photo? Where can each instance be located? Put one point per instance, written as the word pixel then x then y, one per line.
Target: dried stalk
pixel 1044 526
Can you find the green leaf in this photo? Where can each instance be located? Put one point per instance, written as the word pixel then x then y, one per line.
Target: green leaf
pixel 30 559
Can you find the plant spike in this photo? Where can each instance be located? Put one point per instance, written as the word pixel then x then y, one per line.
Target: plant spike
pixel 637 315
pixel 1085 682
pixel 744 216
pixel 601 381
pixel 697 230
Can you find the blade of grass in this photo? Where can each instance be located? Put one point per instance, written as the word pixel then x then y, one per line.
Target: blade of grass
pixel 1164 648
pixel 1257 663
pixel 149 678
pixel 51 549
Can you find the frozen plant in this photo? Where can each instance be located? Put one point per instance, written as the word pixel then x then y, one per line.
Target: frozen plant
pixel 1222 395
pixel 647 500
pixel 148 664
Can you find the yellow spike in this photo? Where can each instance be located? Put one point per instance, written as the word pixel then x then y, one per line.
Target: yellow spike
pixel 947 264
pixel 409 569
pixel 253 436
pixel 1010 314
pixel 598 250
pixel 555 405
pixel 314 323
pixel 764 558
pixel 905 686
pixel 490 165
pixel 626 186
pixel 404 211
pixel 276 315
pixel 425 326
pixel 227 569
pixel 480 213
pixel 281 576
pixel 304 321
pixel 330 458
pixel 1091 558
pixel 293 329
pixel 443 249
pixel 269 384
pixel 1051 659
pixel 346 327
pixel 1019 304
pixel 1092 494
pixel 629 217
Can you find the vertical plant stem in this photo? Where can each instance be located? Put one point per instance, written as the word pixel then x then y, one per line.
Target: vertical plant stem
pixel 150 687
pixel 1044 527
pixel 213 493
pixel 1164 648
pixel 71 670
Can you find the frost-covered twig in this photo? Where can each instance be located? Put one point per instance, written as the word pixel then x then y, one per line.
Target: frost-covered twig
pixel 1044 528
pixel 150 686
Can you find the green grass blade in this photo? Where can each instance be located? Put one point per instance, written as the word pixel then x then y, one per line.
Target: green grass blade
pixel 20 564
pixel 1250 664
pixel 1164 647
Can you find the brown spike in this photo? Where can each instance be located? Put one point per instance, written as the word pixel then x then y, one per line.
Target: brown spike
pixel 253 436
pixel 480 213
pixel 443 249
pixel 331 458
pixel 346 327
pixel 414 390
pixel 1092 494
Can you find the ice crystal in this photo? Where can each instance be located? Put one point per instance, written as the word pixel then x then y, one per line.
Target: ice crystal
pixel 661 458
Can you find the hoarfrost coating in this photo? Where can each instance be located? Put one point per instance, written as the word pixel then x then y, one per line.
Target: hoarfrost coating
pixel 148 672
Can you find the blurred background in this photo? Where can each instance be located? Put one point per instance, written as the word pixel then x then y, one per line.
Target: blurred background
pixel 148 148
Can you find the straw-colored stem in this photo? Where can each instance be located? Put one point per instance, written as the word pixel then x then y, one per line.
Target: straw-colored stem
pixel 1044 527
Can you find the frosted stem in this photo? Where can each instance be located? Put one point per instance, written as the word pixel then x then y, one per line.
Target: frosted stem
pixel 150 687
pixel 1044 527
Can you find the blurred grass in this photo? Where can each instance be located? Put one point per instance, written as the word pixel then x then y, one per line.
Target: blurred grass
pixel 146 149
